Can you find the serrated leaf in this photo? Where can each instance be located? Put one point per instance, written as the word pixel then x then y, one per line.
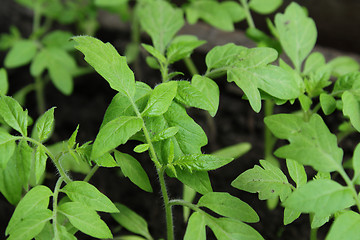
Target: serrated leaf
pixel 297 33
pixel 10 184
pixel 160 99
pixel 4 82
pixel 181 47
pixel 321 197
pixel 296 172
pixel 87 194
pixel 44 126
pixel 23 155
pixel 13 114
pixel 229 229
pixel 104 58
pixel 131 221
pixel 313 144
pixel 40 163
pixel 7 147
pixel 328 103
pixel 133 170
pixel 85 219
pixel 228 206
pixel 31 225
pixel 212 12
pixel 268 181
pixel 265 6
pixel 196 227
pixel 346 226
pixel 343 65
pixel 201 162
pixel 351 108
pixel 21 53
pixel 161 21
pixel 35 200
pixel 114 133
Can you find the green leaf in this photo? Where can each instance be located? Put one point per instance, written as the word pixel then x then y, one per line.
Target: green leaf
pixel 188 195
pixel 44 126
pixel 85 219
pixel 313 144
pixel 234 151
pixel 315 61
pixel 13 114
pixel 305 102
pixel 108 63
pixel 141 148
pixel 201 162
pixel 87 194
pixel 31 225
pixel 212 12
pixel 356 162
pixel 321 197
pixel 7 148
pixel 21 53
pixel 284 126
pixel 197 180
pixel 346 226
pixel 161 21
pixel 328 103
pixel 296 172
pixel 4 82
pixel 229 229
pixel 348 81
pixel 290 215
pixel 165 134
pixel 319 220
pixel 40 162
pixel 160 99
pixel 196 227
pixel 106 160
pixel 351 109
pixel 268 181
pixel 72 140
pixel 182 47
pixel 10 184
pixel 59 39
pixel 343 65
pixel 228 206
pixel 131 221
pixel 37 199
pixel 158 55
pixel 114 133
pixel 235 10
pixel 24 155
pixel 265 6
pixel 133 170
pixel 297 33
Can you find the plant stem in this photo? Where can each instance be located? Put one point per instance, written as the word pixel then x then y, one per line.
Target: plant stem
pixel 39 89
pixel 268 137
pixel 55 199
pixel 313 234
pixel 91 173
pixel 168 213
pixel 185 203
pixel 37 17
pixel 164 72
pixel 350 184
pixel 191 66
pixel 249 18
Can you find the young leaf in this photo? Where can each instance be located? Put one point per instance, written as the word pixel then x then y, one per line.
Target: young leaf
pixel 106 160
pixel 31 225
pixel 297 33
pixel 351 109
pixel 24 155
pixel 196 227
pixel 228 229
pixel 268 181
pixel 228 206
pixel 182 47
pixel 320 196
pixel 161 21
pixel 40 162
pixel 265 6
pixel 13 114
pixel 114 133
pixel 160 99
pixel 158 55
pixel 59 39
pixel 348 81
pixel 37 199
pixel 7 148
pixel 346 226
pixel 72 140
pixel 10 184
pixel 85 219
pixel 108 63
pixel 133 170
pixel 141 148
pixel 296 172
pixel 44 126
pixel 314 62
pixel 131 221
pixel 328 103
pixel 87 194
pixel 313 144
pixel 4 82
pixel 201 162
pixel 20 54
pixel 343 65
pixel 165 134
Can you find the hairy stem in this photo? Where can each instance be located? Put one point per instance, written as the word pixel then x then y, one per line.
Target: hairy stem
pixel 55 200
pixel 168 212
